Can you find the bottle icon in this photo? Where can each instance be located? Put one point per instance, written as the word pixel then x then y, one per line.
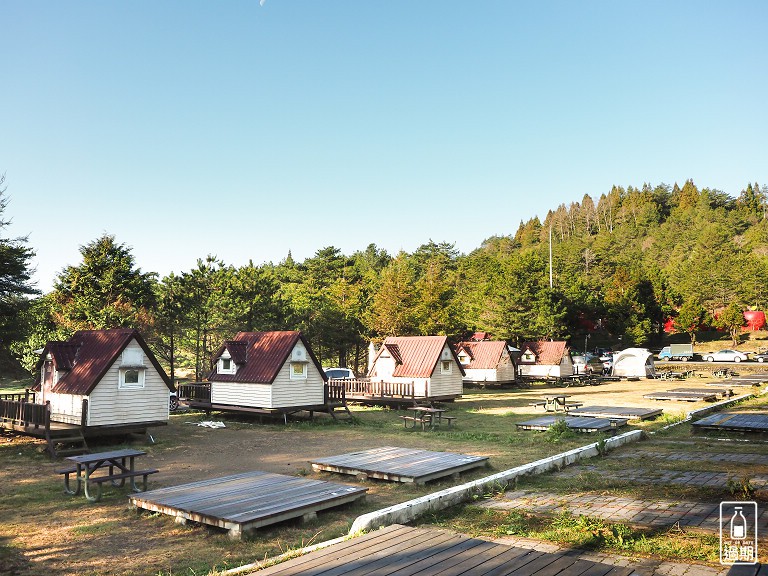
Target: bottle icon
pixel 738 525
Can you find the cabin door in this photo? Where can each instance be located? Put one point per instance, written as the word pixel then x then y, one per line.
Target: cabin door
pixel 47 379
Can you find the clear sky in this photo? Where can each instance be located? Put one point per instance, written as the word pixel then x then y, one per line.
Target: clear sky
pixel 191 127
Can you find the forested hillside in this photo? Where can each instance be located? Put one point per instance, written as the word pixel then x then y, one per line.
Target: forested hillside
pixel 622 264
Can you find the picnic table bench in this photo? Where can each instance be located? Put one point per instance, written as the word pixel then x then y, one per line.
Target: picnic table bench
pixel 427 417
pixel 556 403
pixel 120 465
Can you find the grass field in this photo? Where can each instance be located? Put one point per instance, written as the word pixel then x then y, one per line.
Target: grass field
pixel 44 531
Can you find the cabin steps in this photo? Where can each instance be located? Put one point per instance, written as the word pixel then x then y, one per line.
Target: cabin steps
pixel 343 414
pixel 66 443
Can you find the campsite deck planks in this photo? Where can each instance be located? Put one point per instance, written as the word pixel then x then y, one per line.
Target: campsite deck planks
pixel 399 464
pixel 740 421
pixel 406 551
pixel 628 412
pixel 577 423
pixel 246 501
pixel 683 396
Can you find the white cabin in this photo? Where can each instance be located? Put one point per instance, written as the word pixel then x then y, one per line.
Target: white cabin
pixel 545 359
pixel 486 361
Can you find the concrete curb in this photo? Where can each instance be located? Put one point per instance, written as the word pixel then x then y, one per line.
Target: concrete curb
pixel 410 510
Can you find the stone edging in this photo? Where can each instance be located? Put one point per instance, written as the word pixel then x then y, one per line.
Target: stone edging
pixel 410 510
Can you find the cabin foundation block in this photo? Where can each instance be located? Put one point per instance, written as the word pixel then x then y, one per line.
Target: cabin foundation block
pixel 309 517
pixel 362 477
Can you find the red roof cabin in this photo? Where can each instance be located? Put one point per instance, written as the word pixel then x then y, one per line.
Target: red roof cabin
pixel 427 365
pixel 545 359
pixel 486 362
pixel 104 381
pixel 264 372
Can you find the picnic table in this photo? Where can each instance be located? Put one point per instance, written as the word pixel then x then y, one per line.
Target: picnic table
pixel 119 463
pixel 557 403
pixel 427 417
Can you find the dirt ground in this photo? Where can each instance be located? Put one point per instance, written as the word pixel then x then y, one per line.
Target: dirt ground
pixel 43 531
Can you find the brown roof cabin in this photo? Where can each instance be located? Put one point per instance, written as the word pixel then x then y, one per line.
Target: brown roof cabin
pixel 99 382
pixel 545 359
pixel 426 367
pixel 486 362
pixel 267 373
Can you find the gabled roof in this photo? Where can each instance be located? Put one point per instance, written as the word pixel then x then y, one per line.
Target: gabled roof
pixel 418 355
pixel 546 352
pixel 484 355
pixel 263 355
pixel 84 359
pixel 238 350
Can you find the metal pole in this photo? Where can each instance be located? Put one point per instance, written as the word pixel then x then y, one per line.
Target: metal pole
pixel 550 257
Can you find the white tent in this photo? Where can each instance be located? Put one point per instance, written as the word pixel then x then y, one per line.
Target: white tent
pixel 634 362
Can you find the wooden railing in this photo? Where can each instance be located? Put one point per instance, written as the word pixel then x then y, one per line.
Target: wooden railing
pixel 335 391
pixel 27 396
pixel 23 413
pixel 196 392
pixel 373 389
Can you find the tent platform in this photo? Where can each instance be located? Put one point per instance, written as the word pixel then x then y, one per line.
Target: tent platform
pixel 630 413
pixel 739 422
pixel 683 396
pixel 399 464
pixel 403 550
pixel 246 501
pixel 723 392
pixel 579 424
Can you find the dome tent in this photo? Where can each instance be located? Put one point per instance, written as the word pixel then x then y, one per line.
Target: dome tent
pixel 634 362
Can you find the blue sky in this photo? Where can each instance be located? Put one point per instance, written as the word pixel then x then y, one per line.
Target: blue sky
pixel 190 127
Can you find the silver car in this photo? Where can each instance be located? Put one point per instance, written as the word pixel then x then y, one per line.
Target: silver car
pixel 725 356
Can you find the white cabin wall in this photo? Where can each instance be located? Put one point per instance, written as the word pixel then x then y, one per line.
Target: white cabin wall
pixel 287 393
pixel 66 408
pixel 241 394
pixel 109 405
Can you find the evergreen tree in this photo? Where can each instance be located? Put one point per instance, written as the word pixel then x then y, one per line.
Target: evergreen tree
pixel 106 290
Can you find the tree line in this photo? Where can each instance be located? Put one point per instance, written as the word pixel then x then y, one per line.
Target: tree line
pixel 621 266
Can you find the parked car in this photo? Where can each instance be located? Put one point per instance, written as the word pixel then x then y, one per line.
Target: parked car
pixel 173 403
pixel 725 356
pixel 343 373
pixel 762 357
pixel 587 364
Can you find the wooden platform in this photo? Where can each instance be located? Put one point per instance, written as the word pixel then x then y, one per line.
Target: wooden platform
pixel 708 396
pixel 577 423
pixel 246 501
pixel 405 551
pixel 400 464
pixel 740 422
pixel 630 413
pixel 720 391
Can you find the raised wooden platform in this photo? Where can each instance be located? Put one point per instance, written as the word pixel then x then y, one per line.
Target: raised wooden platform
pixel 628 412
pixel 399 464
pixel 708 396
pixel 403 550
pixel 246 501
pixel 577 423
pixel 740 422
pixel 720 391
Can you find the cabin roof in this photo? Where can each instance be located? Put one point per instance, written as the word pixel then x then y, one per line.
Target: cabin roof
pixel 547 352
pixel 418 355
pixel 483 355
pixel 263 355
pixel 84 359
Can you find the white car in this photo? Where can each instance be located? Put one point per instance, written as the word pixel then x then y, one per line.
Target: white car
pixel 342 373
pixel 725 356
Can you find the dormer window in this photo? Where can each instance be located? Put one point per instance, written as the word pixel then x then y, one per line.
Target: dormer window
pixel 464 359
pixel 225 364
pixel 132 369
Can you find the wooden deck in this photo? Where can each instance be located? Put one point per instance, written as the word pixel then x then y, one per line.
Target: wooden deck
pixel 577 423
pixel 399 464
pixel 684 396
pixel 740 422
pixel 407 551
pixel 628 412
pixel 246 501
pixel 721 392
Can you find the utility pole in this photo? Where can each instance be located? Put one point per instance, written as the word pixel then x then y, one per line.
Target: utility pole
pixel 550 257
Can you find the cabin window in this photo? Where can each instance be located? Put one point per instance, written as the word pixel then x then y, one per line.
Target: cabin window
pixel 445 367
pixel 131 378
pixel 226 366
pixel 298 371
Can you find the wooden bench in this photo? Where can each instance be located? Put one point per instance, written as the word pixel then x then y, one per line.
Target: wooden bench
pixel 569 405
pixel 414 420
pixel 537 404
pixel 113 478
pixel 449 419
